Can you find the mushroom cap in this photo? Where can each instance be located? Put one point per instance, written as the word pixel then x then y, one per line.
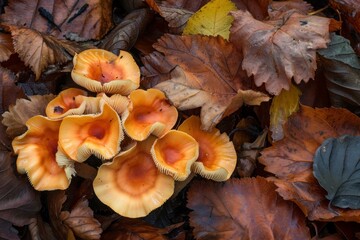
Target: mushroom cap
pixel 66 103
pixel 174 154
pixel 131 184
pixel 148 112
pixel 217 155
pixel 99 134
pixel 99 70
pixel 36 150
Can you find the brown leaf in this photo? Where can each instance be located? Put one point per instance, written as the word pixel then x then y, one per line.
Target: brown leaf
pixel 16 117
pixel 125 34
pixel 189 5
pixel 40 230
pixel 278 50
pixel 291 159
pixel 207 75
pixel 246 208
pixel 133 229
pixel 257 8
pixel 18 200
pixel 278 8
pixel 9 92
pixel 7 231
pixel 55 201
pixel 6 46
pixel 86 19
pixel 177 18
pixel 81 221
pixel 350 9
pixel 38 50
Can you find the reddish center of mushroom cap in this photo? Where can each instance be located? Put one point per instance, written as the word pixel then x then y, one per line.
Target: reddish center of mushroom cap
pixel 105 71
pixel 137 174
pixel 206 154
pixel 153 113
pixel 171 155
pixel 97 131
pixel 49 154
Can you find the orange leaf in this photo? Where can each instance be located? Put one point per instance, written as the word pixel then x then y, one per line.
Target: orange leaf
pixel 248 208
pixel 278 50
pixel 291 159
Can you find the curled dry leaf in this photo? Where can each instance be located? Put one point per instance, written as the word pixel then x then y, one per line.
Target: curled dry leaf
pixel 125 34
pixel 291 159
pixel 18 202
pixel 278 50
pixel 16 117
pixel 86 19
pixel 81 221
pixel 207 75
pixel 6 46
pixel 248 208
pixel 38 50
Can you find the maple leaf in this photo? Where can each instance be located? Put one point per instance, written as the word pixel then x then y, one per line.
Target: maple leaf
pixel 207 75
pixel 230 211
pixel 278 50
pixel 6 46
pixel 40 50
pixel 291 159
pixel 84 19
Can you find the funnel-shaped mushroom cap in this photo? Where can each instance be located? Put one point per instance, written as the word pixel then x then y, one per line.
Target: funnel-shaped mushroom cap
pixel 149 112
pixel 217 155
pixel 99 70
pixel 99 134
pixel 174 154
pixel 66 103
pixel 131 184
pixel 36 150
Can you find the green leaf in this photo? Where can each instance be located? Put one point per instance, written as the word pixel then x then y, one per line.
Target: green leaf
pixel 337 169
pixel 212 19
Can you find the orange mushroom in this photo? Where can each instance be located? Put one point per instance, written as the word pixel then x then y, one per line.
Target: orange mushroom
pixel 37 149
pixel 131 184
pixel 217 155
pixel 99 70
pixel 99 134
pixel 66 103
pixel 148 112
pixel 174 154
pixel 118 102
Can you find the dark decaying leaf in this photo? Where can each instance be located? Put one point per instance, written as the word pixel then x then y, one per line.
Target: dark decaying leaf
pixel 337 169
pixel 39 229
pixel 342 73
pixel 6 46
pixel 84 19
pixel 7 231
pixel 81 221
pixel 18 200
pixel 248 208
pixel 125 34
pixel 55 201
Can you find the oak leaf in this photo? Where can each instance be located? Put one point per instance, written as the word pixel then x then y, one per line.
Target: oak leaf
pixel 206 73
pixel 291 159
pixel 247 208
pixel 86 19
pixel 278 50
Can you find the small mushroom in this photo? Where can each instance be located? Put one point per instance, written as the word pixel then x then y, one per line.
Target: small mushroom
pixel 148 112
pixel 174 154
pixel 131 184
pixel 66 103
pixel 37 149
pixel 99 134
pixel 99 70
pixel 217 155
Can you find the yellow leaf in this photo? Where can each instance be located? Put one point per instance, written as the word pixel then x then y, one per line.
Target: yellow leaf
pixel 282 106
pixel 212 19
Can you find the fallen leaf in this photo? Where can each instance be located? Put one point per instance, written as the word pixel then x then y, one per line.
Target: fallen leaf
pixel 189 5
pixel 291 159
pixel 40 230
pixel 125 34
pixel 7 231
pixel 38 50
pixel 350 9
pixel 282 106
pixel 336 163
pixel 212 19
pixel 177 18
pixel 6 46
pixel 16 117
pixel 278 8
pixel 81 221
pixel 276 51
pixel 134 229
pixel 55 201
pixel 18 202
pixel 342 73
pixel 257 8
pixel 86 19
pixel 246 208
pixel 207 75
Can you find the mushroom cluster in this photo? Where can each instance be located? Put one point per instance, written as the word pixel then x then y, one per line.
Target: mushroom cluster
pixel 135 181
